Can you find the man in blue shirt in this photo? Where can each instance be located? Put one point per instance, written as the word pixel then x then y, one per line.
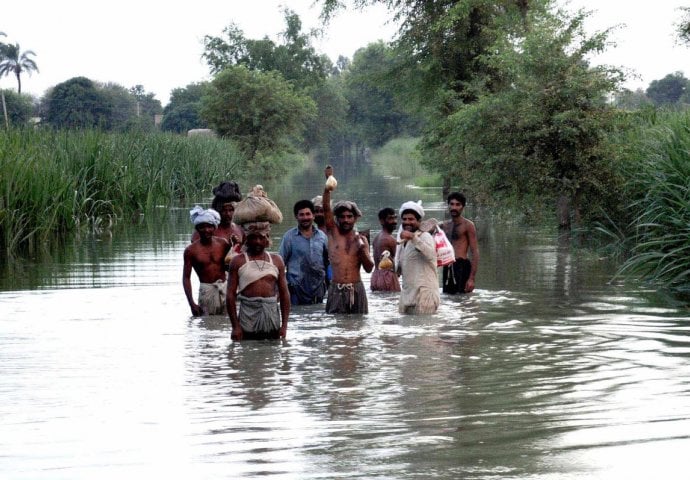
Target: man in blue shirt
pixel 304 251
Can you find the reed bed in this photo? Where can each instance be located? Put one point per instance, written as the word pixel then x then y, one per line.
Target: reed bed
pixel 658 237
pixel 52 182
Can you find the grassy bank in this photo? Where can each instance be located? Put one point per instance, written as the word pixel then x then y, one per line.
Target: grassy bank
pixel 654 235
pixel 400 158
pixel 54 182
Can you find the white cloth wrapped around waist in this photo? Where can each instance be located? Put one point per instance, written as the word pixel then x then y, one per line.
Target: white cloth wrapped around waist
pixel 212 297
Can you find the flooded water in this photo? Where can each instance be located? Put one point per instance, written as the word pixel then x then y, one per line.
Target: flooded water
pixel 546 371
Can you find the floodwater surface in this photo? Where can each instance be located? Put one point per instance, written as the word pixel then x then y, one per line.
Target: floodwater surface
pixel 547 371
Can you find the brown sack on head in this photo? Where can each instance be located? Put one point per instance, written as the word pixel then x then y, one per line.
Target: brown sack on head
pixel 257 207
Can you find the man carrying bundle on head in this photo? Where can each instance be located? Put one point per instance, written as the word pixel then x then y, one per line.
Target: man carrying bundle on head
pixel 347 252
pixel 206 256
pixel 257 282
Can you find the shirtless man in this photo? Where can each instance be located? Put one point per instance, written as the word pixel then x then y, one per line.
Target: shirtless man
pixel 206 256
pixel 257 282
pixel 385 280
pixel 459 277
pixel 347 252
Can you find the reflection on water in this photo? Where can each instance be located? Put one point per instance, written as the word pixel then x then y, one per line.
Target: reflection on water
pixel 547 371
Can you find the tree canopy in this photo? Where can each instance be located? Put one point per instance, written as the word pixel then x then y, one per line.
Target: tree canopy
pixel 260 111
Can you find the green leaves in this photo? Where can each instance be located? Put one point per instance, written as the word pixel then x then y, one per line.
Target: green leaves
pixel 260 111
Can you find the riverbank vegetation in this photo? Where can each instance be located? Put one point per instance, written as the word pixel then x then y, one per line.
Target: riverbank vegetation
pixel 57 181
pixel 651 231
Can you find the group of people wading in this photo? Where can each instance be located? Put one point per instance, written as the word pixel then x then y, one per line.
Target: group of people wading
pixel 320 258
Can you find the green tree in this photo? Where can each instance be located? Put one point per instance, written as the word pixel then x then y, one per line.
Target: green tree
pixel 260 111
pixel 375 114
pixel 19 107
pixel 295 59
pixel 78 103
pixel 668 90
pixel 146 109
pixel 545 133
pixel 182 112
pixel 631 100
pixel 17 62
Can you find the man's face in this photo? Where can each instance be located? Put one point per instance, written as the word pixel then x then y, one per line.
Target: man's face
pixel 227 211
pixel 346 221
pixel 305 218
pixel 410 222
pixel 389 223
pixel 205 230
pixel 319 217
pixel 256 243
pixel 455 208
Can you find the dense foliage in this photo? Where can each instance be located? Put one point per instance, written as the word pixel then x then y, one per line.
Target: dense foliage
pixel 258 111
pixel 80 103
pixel 181 114
pixel 654 232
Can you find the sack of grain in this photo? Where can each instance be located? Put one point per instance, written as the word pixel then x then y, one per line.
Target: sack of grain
pixel 257 207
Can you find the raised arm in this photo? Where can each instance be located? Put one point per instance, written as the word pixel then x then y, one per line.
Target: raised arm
pixel 327 211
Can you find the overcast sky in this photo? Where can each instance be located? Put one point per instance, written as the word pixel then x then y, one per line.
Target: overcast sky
pixel 159 44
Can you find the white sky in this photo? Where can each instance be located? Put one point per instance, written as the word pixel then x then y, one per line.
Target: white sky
pixel 158 44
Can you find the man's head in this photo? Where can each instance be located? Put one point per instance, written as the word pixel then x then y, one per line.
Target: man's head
pixel 258 237
pixel 388 219
pixel 346 215
pixel 411 214
pixel 456 203
pixel 319 216
pixel 205 221
pixel 227 211
pixel 304 213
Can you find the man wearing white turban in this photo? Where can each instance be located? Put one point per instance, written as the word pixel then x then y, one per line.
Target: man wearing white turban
pixel 206 256
pixel 417 263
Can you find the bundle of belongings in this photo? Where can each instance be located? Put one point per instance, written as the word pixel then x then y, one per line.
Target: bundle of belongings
pixel 228 192
pixel 257 207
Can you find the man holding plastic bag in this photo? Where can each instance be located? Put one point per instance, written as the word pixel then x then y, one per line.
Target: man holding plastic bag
pixel 417 260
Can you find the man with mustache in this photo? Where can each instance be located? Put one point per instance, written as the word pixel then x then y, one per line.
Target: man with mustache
pixel 459 276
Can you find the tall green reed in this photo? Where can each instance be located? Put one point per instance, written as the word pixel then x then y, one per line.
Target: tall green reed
pixel 52 182
pixel 658 236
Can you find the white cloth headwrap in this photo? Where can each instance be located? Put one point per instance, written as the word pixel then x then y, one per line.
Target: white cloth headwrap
pixel 198 215
pixel 414 206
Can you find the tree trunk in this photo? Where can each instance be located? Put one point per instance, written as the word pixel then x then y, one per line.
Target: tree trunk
pixel 563 209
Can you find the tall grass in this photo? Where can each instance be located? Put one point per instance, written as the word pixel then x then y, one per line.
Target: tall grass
pixel 658 237
pixel 52 182
pixel 400 158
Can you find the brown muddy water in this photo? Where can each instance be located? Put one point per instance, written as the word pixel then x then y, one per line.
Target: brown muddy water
pixel 547 371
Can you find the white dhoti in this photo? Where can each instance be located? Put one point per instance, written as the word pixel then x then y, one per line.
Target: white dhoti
pixel 212 297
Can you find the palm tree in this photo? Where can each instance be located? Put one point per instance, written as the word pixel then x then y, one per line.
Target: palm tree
pixel 13 60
